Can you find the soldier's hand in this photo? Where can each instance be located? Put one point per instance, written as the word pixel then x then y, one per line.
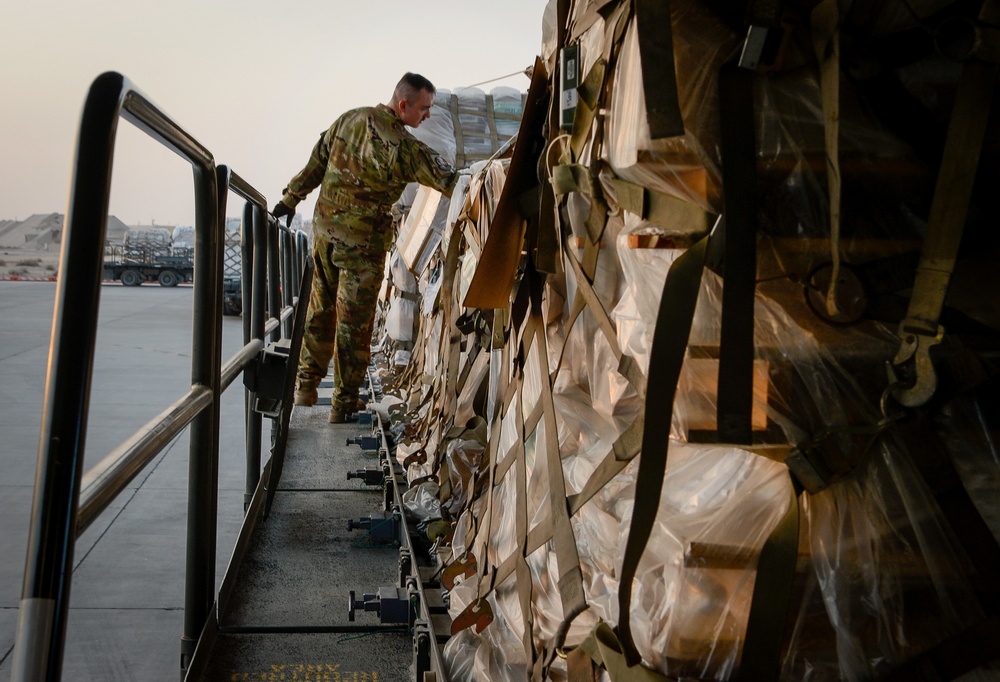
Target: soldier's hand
pixel 280 210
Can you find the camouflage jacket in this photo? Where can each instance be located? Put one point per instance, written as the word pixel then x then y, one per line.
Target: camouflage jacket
pixel 363 162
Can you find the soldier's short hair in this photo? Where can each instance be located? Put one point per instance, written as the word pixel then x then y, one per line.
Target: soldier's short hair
pixel 412 83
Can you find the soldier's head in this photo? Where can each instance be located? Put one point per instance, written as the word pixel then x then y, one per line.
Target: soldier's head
pixel 412 99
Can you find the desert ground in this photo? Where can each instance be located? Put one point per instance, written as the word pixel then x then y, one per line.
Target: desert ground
pixel 28 264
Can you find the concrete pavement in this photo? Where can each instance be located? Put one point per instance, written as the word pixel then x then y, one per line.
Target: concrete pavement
pixel 127 595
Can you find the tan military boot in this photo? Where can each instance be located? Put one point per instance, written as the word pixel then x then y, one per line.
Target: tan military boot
pixel 338 417
pixel 306 394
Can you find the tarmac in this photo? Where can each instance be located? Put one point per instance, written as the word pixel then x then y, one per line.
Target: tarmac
pixel 127 594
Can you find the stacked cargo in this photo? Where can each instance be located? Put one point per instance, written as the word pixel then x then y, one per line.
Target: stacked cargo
pixel 470 125
pixel 677 399
pixel 147 246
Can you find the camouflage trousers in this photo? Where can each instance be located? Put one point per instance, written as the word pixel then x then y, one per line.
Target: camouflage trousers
pixel 339 318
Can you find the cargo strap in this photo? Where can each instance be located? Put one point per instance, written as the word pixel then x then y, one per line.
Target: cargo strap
pixel 659 80
pixel 825 29
pixel 670 338
pixel 772 595
pixel 666 211
pixel 408 296
pixel 525 583
pixel 777 562
pixel 739 184
pixel 570 581
pixel 570 577
pixel 920 330
pixel 603 648
pixel 568 175
pixel 548 234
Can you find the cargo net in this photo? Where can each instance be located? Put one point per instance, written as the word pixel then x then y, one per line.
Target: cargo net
pixel 556 392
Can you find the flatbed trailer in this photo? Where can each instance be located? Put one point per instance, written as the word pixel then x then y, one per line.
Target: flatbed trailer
pixel 168 271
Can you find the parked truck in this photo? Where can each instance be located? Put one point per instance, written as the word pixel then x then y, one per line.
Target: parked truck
pixel 167 257
pixel 149 256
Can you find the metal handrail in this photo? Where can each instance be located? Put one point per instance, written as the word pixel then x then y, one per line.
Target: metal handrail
pixel 66 502
pixel 102 484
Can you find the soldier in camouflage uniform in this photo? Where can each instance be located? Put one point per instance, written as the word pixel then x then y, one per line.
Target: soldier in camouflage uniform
pixel 361 164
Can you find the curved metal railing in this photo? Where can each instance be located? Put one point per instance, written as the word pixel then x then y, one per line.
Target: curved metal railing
pixel 67 501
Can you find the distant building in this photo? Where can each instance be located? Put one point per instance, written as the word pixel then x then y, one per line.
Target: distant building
pixel 43 230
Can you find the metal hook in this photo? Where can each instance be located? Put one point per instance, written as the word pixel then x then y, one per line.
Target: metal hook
pixel 914 360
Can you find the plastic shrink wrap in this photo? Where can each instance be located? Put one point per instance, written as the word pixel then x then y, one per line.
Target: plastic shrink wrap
pixel 554 386
pixel 469 124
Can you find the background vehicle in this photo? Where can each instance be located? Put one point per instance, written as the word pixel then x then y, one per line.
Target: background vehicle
pixel 149 256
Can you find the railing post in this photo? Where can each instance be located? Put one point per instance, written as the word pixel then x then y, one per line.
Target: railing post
pixel 273 278
pixel 303 253
pixel 41 630
pixel 253 418
pixel 39 642
pixel 246 269
pixel 296 270
pixel 206 361
pixel 287 283
pixel 261 231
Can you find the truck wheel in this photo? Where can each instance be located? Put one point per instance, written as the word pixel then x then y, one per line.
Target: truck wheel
pixel 169 278
pixel 232 307
pixel 131 278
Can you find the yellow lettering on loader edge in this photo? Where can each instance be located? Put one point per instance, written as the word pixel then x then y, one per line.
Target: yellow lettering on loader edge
pixel 305 672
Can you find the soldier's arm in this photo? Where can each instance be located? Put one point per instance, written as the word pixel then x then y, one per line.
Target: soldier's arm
pixel 311 176
pixel 426 166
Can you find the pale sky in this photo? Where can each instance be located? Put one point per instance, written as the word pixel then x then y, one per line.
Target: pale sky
pixel 254 81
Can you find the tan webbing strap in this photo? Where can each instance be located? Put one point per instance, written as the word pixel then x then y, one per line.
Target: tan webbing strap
pixel 596 84
pixel 580 667
pixel 825 30
pixel 498 469
pixel 456 384
pixel 624 449
pixel 570 177
pixel 504 465
pixel 597 218
pixel 609 468
pixel 491 462
pixel 919 331
pixel 589 266
pixel 603 646
pixel 524 582
pixel 499 574
pixel 564 541
pixel 548 240
pixel 670 338
pixel 662 209
pixel 586 289
pixel 592 12
pixel 591 253
pixel 630 369
pixel 622 452
pixel 484 586
pixel 587 106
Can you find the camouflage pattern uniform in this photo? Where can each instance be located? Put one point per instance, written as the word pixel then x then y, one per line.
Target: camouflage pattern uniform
pixel 363 162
